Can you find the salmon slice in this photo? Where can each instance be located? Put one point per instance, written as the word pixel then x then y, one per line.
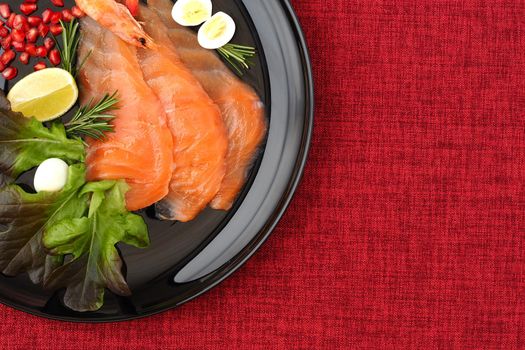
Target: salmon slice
pixel 241 108
pixel 140 149
pixel 195 122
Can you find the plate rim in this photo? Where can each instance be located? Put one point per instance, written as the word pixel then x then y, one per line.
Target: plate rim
pixel 273 221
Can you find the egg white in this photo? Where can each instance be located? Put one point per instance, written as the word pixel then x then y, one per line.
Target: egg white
pixel 208 42
pixel 181 8
pixel 51 175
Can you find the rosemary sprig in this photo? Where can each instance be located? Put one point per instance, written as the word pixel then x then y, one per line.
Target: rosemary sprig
pixel 92 119
pixel 68 48
pixel 238 56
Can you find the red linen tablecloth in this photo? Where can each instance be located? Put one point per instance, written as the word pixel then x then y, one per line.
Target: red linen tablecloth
pixel 408 230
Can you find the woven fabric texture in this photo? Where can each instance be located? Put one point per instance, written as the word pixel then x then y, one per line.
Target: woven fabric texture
pixel 408 230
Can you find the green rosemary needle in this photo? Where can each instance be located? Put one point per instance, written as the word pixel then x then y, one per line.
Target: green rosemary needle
pixel 92 119
pixel 69 47
pixel 238 56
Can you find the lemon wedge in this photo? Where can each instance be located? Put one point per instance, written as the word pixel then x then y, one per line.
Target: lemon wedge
pixel 191 12
pixel 45 95
pixel 217 31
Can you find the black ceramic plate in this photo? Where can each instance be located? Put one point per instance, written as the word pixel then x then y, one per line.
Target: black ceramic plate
pixel 186 260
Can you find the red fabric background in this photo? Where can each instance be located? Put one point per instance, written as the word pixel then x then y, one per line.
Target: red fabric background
pixel 408 229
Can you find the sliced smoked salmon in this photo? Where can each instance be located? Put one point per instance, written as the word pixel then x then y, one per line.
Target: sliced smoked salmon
pixel 140 149
pixel 200 137
pixel 241 108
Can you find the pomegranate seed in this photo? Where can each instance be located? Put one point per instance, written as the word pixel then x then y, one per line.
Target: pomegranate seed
pixel 77 12
pixel 19 46
pixel 10 20
pixel 31 49
pixel 56 17
pixel 39 66
pixel 34 21
pixel 46 15
pixel 67 15
pixel 43 30
pixel 6 42
pixel 31 1
pixel 28 8
pixel 59 3
pixel 10 73
pixel 24 57
pixel 5 10
pixel 49 43
pixel 2 66
pixel 133 6
pixel 18 35
pixel 4 32
pixel 41 51
pixel 54 57
pixel 55 29
pixel 19 22
pixel 7 57
pixel 32 35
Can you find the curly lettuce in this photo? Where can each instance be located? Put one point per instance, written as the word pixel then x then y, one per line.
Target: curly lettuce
pixel 26 142
pixel 26 216
pixel 95 262
pixel 68 239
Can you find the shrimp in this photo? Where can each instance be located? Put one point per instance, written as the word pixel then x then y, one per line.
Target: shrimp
pixel 117 18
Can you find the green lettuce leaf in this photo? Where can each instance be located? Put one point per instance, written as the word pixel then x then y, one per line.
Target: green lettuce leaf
pixel 25 217
pixel 94 262
pixel 26 142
